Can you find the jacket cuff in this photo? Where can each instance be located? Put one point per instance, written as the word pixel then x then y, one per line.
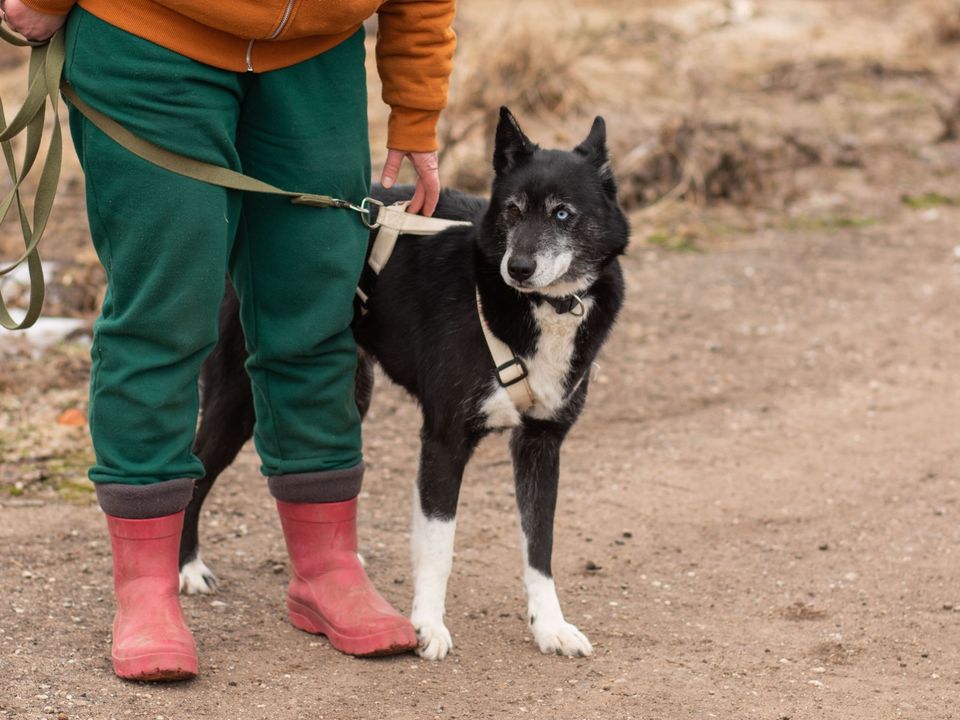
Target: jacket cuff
pixel 50 7
pixel 412 130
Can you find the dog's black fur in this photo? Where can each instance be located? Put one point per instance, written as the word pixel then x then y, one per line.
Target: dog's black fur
pixel 423 328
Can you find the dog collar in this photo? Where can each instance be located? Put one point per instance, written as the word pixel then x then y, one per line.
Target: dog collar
pixel 572 304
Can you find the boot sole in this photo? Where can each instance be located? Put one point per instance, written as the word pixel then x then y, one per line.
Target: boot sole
pixel 386 642
pixel 157 667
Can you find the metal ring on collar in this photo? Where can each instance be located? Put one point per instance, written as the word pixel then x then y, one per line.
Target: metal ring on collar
pixel 579 306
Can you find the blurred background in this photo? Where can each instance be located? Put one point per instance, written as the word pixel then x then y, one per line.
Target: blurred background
pixel 758 513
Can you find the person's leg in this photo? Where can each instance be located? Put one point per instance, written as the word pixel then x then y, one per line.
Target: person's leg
pixel 164 241
pixel 295 269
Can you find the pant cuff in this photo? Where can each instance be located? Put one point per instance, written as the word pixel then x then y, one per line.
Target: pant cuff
pixel 139 502
pixel 317 487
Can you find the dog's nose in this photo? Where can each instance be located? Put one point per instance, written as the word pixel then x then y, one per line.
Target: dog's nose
pixel 521 268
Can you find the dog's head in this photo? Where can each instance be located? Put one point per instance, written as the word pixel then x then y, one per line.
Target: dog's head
pixel 553 221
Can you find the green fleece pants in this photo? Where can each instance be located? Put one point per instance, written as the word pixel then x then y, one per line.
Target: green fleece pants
pixel 167 243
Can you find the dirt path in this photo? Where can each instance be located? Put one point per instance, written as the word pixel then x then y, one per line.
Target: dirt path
pixel 767 476
pixel 759 509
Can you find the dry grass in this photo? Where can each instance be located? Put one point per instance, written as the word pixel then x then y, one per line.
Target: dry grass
pixel 945 21
pixel 531 62
pixel 708 162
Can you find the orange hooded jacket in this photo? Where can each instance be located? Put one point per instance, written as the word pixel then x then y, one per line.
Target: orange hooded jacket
pixel 415 43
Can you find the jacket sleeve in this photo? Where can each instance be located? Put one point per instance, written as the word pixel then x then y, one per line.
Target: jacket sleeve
pixel 415 47
pixel 50 7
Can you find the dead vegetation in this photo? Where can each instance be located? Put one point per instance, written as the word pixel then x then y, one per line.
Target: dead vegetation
pixel 945 21
pixel 530 62
pixel 708 162
pixel 949 114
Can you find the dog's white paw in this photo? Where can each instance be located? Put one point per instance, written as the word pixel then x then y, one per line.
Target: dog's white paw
pixel 433 640
pixel 196 578
pixel 560 638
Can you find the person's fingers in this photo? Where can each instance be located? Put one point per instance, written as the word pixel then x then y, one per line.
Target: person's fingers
pixel 431 191
pixel 431 197
pixel 416 202
pixel 391 167
pixel 427 167
pixel 426 193
pixel 430 180
pixel 425 163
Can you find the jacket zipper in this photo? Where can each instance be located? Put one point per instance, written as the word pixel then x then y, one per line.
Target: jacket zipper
pixel 284 19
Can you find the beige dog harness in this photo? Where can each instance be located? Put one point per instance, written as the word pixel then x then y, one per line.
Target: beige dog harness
pixel 393 221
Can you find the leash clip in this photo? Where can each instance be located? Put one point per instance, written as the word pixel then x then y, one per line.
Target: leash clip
pixel 363 209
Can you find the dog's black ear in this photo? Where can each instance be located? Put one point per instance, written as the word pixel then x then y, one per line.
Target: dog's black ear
pixel 511 146
pixel 594 150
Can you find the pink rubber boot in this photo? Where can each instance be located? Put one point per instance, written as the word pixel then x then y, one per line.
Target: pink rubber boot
pixel 150 637
pixel 330 593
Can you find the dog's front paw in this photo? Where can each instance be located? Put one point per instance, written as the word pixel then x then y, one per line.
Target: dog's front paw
pixel 433 638
pixel 196 578
pixel 560 638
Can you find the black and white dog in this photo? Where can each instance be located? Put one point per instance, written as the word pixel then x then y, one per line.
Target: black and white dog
pixel 542 257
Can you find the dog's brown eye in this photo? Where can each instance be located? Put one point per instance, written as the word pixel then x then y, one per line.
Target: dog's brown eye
pixel 514 211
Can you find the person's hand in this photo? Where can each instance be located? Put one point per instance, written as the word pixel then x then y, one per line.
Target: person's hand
pixel 427 165
pixel 33 25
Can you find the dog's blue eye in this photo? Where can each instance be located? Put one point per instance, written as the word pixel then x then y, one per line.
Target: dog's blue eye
pixel 562 214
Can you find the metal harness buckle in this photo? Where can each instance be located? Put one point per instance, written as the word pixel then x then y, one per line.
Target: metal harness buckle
pixel 506 366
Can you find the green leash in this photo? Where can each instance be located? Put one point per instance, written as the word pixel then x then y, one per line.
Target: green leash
pixel 46 66
pixel 46 69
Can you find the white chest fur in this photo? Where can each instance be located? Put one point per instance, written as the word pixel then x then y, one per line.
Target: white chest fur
pixel 547 369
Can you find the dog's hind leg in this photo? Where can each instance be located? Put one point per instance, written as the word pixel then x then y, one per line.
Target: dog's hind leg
pixel 363 382
pixel 535 446
pixel 226 423
pixel 442 460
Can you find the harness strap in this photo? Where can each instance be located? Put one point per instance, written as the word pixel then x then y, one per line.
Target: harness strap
pixel 392 222
pixel 511 370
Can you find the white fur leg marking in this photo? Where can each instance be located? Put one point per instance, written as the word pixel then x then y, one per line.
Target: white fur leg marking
pixel 499 409
pixel 196 577
pixel 553 634
pixel 432 545
pixel 434 640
